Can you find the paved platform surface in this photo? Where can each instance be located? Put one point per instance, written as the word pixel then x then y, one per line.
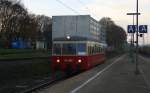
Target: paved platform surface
pixel 115 76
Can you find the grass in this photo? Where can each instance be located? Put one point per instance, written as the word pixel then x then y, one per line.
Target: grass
pixel 36 68
pixel 10 54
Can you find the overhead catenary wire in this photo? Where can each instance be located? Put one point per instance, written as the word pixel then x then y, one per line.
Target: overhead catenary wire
pixel 82 3
pixel 65 5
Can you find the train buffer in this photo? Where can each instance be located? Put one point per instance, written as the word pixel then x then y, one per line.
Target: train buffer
pixel 115 76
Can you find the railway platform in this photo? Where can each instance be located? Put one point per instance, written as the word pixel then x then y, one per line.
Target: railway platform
pixel 115 76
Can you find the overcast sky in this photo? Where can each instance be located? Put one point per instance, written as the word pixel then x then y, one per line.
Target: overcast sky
pixel 115 9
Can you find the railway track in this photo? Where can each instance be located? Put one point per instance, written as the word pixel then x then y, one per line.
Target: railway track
pixel 30 85
pixel 40 86
pixel 45 84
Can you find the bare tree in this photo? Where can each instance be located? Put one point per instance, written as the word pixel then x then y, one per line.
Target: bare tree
pixel 44 29
pixel 115 35
pixel 9 13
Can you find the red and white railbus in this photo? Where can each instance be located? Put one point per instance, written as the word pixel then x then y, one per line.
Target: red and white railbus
pixel 77 54
pixel 78 43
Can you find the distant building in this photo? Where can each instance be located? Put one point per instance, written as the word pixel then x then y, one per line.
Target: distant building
pixel 41 45
pixel 77 26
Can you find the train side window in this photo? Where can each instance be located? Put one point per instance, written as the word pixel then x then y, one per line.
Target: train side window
pixel 98 49
pixel 81 49
pixel 93 50
pixel 57 49
pixel 89 50
pixel 102 49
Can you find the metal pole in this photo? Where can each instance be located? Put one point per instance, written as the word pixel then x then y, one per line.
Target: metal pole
pixel 137 25
pixel 132 46
pixel 143 40
pixel 133 23
pixel 133 33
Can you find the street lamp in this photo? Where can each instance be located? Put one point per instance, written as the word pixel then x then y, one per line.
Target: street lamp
pixel 137 30
pixel 132 41
pixel 132 36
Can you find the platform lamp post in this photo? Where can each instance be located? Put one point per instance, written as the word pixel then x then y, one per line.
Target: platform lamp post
pixel 137 32
pixel 132 39
pixel 132 34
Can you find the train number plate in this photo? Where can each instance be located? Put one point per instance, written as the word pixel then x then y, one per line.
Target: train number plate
pixel 68 60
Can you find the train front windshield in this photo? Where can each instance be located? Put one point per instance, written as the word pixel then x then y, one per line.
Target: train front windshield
pixel 69 49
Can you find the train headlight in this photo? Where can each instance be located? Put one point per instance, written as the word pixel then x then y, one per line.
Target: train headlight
pixel 79 61
pixel 58 61
pixel 68 37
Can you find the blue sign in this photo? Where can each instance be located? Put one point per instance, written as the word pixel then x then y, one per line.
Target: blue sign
pixel 131 28
pixel 18 44
pixel 143 29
